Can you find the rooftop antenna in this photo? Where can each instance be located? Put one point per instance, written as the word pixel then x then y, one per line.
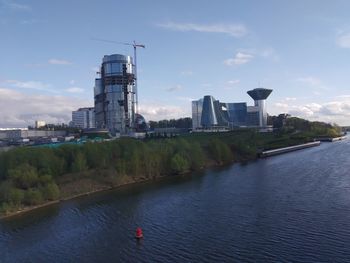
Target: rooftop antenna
pixel 135 45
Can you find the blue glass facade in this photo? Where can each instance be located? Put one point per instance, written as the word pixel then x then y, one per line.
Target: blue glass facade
pixel 237 113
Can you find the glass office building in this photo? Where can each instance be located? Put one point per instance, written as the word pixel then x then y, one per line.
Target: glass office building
pixel 208 113
pixel 237 113
pixel 115 95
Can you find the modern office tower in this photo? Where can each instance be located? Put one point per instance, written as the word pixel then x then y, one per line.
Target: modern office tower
pixel 208 118
pixel 84 118
pixel 237 114
pixel 197 114
pixel 115 95
pixel 259 96
pixel 209 113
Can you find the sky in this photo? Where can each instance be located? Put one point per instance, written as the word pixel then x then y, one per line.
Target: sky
pixel 300 49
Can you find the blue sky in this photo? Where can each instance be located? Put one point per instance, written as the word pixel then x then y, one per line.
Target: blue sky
pixel 300 49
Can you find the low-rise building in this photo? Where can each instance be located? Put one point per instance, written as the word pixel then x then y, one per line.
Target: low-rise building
pixel 84 118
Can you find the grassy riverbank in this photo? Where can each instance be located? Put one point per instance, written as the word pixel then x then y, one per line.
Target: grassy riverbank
pixel 30 177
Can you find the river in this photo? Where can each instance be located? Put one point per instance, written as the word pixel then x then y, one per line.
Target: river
pixel 288 208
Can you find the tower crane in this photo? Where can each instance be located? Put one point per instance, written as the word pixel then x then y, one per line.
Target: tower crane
pixel 135 45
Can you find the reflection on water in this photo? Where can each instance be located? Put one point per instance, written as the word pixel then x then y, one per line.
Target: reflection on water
pixel 289 208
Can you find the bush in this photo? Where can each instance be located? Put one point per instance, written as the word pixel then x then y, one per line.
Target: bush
pixel 16 196
pixel 5 208
pixel 33 197
pixel 179 164
pixel 24 176
pixel 51 192
pixel 220 151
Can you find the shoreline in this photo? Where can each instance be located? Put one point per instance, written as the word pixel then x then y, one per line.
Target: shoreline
pixel 100 190
pixel 143 179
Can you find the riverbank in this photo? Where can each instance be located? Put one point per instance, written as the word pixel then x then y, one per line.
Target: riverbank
pixel 94 189
pixel 330 139
pixel 34 177
pixel 288 149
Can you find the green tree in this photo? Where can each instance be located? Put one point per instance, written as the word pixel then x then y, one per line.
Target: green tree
pixel 16 196
pixel 24 176
pixel 33 197
pixel 51 191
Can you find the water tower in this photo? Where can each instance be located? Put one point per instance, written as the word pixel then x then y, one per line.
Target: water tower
pixel 259 96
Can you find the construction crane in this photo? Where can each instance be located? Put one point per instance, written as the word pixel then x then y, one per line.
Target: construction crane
pixel 135 45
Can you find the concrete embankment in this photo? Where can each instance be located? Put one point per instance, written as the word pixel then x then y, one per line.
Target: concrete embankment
pixel 329 139
pixel 289 149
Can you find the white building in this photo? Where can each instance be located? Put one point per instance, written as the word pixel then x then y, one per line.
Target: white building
pixel 197 106
pixel 84 118
pixel 39 124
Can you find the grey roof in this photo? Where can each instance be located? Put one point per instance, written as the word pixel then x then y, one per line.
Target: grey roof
pixel 259 93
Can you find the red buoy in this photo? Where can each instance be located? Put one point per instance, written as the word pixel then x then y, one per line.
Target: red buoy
pixel 139 233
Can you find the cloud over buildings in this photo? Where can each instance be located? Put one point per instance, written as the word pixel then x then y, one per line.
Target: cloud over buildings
pixel 335 111
pixel 20 110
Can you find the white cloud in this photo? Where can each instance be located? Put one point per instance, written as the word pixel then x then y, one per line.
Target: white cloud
pixel 174 88
pixel 235 30
pixel 36 85
pixel 239 59
pixel 72 82
pixel 54 61
pixel 343 40
pixel 154 112
pixel 75 90
pixel 332 112
pixel 20 110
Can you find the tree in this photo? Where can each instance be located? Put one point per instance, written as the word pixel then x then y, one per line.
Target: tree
pixel 24 176
pixel 51 191
pixel 33 197
pixel 16 196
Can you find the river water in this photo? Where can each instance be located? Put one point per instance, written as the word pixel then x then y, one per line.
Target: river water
pixel 289 208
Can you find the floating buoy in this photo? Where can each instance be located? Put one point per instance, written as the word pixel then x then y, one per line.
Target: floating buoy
pixel 139 233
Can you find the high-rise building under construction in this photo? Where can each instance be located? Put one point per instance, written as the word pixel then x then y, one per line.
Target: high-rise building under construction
pixel 114 95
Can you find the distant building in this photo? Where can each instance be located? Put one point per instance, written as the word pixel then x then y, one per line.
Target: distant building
pixel 16 134
pixel 208 113
pixel 115 95
pixel 39 124
pixel 83 118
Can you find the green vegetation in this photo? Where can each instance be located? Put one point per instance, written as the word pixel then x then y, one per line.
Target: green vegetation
pixel 32 176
